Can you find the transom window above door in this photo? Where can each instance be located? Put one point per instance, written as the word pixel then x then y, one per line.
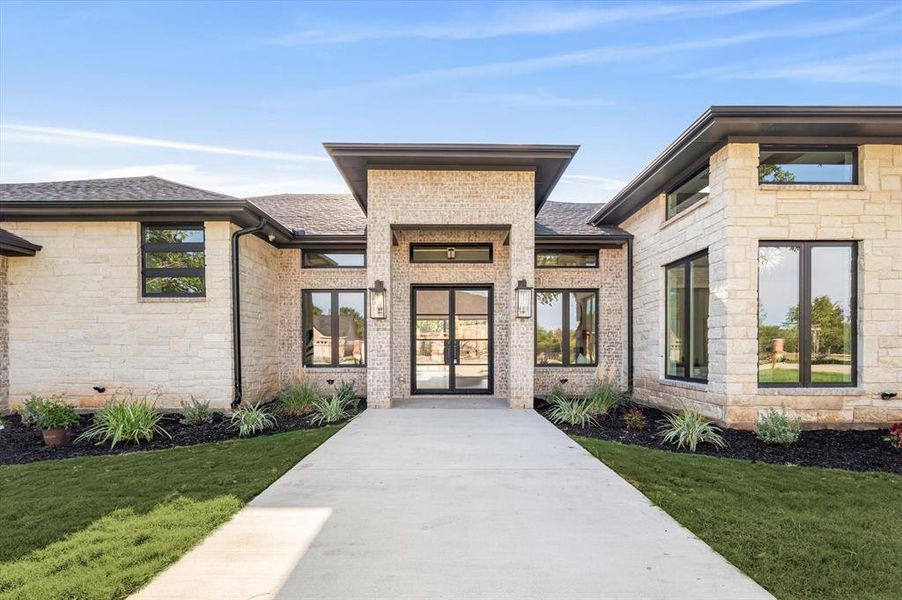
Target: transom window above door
pixel 450 253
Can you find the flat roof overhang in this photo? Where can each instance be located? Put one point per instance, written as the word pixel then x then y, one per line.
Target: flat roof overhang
pixel 353 160
pixel 13 245
pixel 765 124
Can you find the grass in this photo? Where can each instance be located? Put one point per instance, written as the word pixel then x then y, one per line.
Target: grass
pixel 799 532
pixel 102 527
pixel 792 376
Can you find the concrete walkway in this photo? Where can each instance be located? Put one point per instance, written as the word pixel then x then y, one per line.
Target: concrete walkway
pixel 456 504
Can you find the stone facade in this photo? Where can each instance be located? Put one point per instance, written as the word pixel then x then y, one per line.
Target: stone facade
pixel 427 199
pixel 4 336
pixel 610 279
pixel 292 281
pixel 258 266
pixel 730 223
pixel 77 319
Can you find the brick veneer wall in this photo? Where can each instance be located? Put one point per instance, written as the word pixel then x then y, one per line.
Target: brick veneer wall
pixel 440 198
pixel 610 279
pixel 292 281
pixel 258 266
pixel 730 223
pixel 77 318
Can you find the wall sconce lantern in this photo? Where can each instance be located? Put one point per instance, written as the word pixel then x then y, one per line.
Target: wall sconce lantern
pixel 524 300
pixel 377 300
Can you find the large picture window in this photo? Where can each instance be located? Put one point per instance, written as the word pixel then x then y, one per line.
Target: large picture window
pixel 172 260
pixel 686 343
pixel 806 313
pixel 566 328
pixel 334 328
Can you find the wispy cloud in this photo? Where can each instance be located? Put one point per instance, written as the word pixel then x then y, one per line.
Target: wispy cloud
pixel 880 67
pixel 539 98
pixel 49 134
pixel 543 19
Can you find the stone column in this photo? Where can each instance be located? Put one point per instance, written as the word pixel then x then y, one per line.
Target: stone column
pixel 522 331
pixel 378 331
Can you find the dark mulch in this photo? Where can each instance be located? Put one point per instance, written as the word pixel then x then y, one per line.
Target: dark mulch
pixel 21 444
pixel 840 449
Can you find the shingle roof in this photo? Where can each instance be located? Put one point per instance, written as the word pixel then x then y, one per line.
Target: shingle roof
pixel 315 214
pixel 103 190
pixel 571 218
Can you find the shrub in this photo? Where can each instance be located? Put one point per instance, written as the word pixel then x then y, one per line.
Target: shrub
pixel 296 400
pixel 196 412
pixel 776 428
pixel 556 395
pixel 347 392
pixel 249 419
pixel 604 397
pixel 634 418
pixel 690 429
pixel 572 412
pixel 336 407
pixel 55 414
pixel 29 410
pixel 895 436
pixel 125 420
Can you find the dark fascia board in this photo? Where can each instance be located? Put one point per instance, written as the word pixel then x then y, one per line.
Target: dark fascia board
pixel 720 124
pixel 13 245
pixel 354 159
pixel 238 211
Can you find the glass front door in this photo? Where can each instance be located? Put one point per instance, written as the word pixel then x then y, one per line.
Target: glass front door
pixel 452 340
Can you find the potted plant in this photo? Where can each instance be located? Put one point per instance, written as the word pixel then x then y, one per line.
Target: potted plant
pixel 53 419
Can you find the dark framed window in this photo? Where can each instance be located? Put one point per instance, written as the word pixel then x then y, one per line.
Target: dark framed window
pixel 808 165
pixel 686 328
pixel 334 324
pixel 172 260
pixel 450 253
pixel 566 328
pixel 689 191
pixel 550 259
pixel 807 326
pixel 332 259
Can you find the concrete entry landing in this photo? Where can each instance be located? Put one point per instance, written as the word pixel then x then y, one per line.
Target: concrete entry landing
pixel 450 402
pixel 456 504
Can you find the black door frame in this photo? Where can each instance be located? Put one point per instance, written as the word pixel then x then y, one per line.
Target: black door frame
pixel 451 390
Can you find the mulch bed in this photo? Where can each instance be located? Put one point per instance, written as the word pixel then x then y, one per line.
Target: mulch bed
pixel 21 444
pixel 855 450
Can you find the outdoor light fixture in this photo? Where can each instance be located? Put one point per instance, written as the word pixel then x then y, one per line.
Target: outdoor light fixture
pixel 377 300
pixel 524 300
pixel 451 253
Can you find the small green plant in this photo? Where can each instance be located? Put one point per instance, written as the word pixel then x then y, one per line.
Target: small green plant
pixel 196 412
pixel 572 412
pixel 28 411
pixel 125 420
pixel 297 399
pixel 55 414
pixel 689 428
pixel 249 419
pixel 346 392
pixel 556 395
pixel 604 398
pixel 777 428
pixel 635 419
pixel 337 407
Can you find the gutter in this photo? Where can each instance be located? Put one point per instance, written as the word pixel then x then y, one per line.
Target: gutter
pixel 629 315
pixel 236 311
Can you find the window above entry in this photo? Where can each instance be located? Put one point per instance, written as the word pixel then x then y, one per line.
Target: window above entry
pixel 332 259
pixel 450 253
pixel 692 189
pixel 546 259
pixel 808 165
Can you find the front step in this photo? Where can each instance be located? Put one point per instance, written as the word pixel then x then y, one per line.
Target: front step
pixel 488 402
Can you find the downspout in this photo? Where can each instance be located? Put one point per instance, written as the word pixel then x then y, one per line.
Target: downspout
pixel 629 313
pixel 236 311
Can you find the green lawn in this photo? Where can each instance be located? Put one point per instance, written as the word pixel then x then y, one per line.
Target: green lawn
pixel 101 527
pixel 799 532
pixel 768 375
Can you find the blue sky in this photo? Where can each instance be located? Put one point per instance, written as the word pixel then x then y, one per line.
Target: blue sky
pixel 237 97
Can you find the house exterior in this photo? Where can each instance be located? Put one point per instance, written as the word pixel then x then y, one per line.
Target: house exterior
pixel 756 263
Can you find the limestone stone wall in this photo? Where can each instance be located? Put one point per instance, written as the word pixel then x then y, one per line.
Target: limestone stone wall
pixel 610 279
pixel 730 223
pixel 438 199
pixel 4 338
pixel 292 280
pixel 77 318
pixel 258 267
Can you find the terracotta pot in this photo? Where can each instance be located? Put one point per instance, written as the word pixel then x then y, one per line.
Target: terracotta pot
pixel 56 437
